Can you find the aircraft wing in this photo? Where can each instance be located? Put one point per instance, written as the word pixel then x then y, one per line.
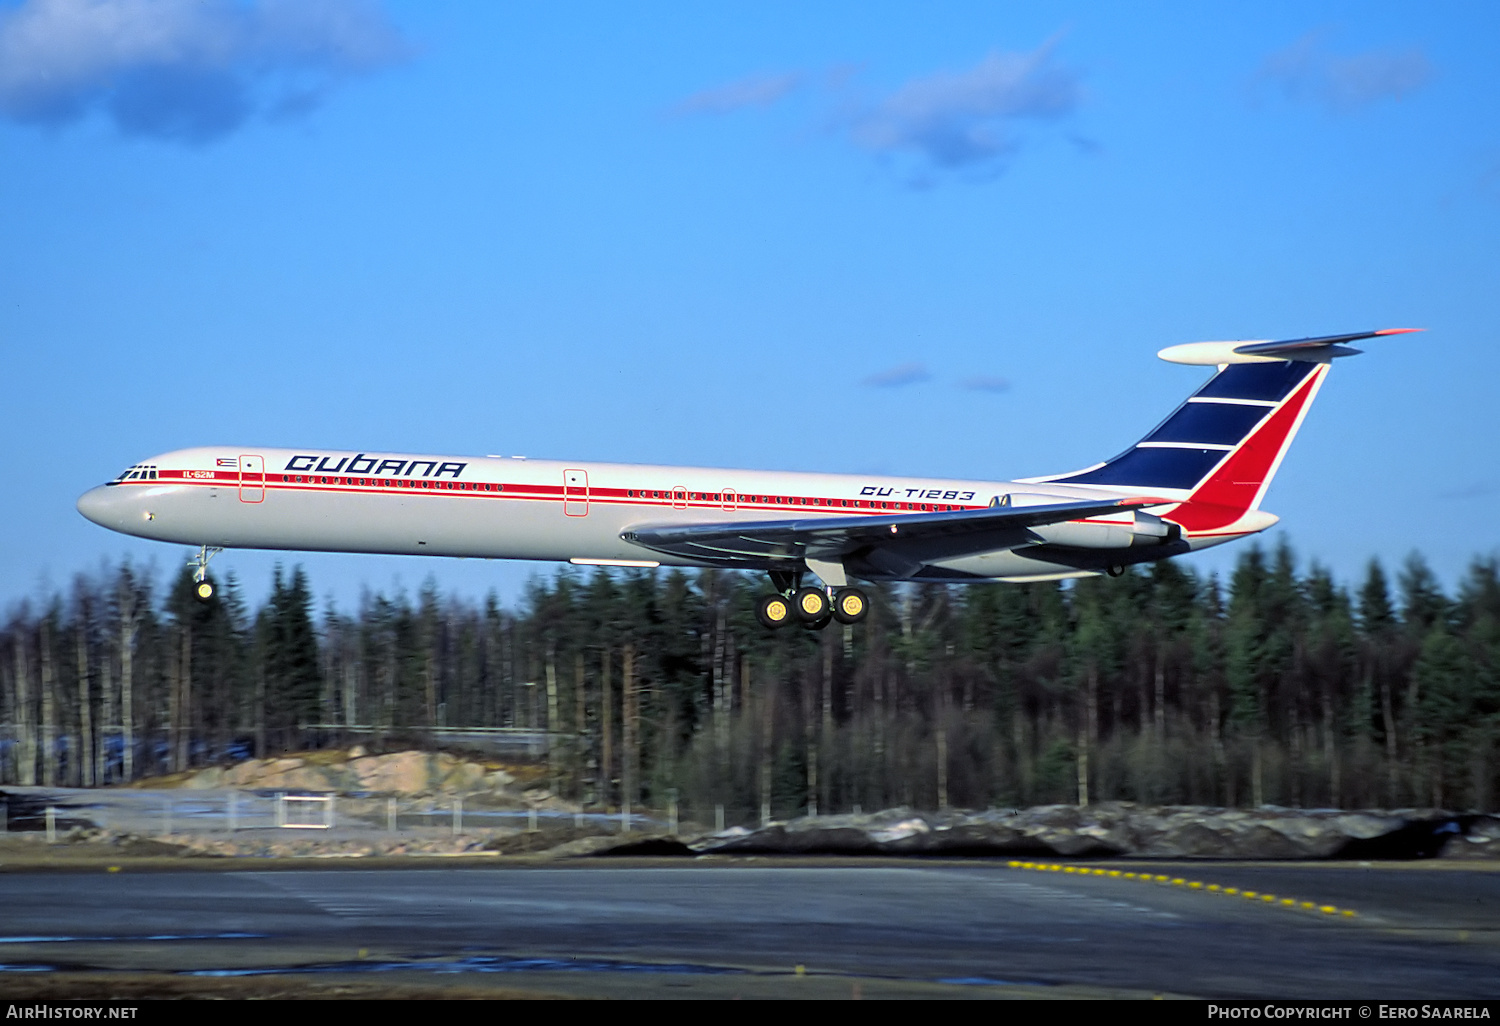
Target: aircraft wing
pixel 909 538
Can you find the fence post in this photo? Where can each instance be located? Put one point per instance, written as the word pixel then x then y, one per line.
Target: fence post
pixel 531 820
pixel 719 818
pixel 51 825
pixel 166 815
pixel 458 815
pixel 234 811
pixel 672 812
pixel 390 814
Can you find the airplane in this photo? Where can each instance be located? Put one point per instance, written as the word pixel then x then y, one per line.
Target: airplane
pixel 1196 480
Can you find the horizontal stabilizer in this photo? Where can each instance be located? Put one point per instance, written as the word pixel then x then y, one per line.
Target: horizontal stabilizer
pixel 1301 350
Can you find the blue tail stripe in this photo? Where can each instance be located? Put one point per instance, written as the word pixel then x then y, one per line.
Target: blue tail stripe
pixel 1266 381
pixel 1154 468
pixel 1203 423
pixel 1213 423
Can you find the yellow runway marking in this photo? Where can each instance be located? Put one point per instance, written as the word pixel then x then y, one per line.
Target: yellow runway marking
pixel 1193 885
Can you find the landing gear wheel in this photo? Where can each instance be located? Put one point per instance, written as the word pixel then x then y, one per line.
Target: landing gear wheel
pixel 1115 571
pixel 774 611
pixel 203 588
pixel 818 624
pixel 811 604
pixel 850 605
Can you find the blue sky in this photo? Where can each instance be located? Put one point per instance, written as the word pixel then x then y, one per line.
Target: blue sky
pixel 680 233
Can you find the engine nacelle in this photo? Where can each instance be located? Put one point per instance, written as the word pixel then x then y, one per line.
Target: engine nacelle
pixel 1129 530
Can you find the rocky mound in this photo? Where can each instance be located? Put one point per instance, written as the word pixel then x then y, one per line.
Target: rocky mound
pixel 1125 829
pixel 406 773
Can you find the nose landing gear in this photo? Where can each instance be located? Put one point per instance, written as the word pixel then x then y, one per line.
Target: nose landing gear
pixel 203 588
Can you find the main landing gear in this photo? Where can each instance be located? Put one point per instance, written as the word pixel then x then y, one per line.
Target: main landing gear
pixel 203 588
pixel 813 607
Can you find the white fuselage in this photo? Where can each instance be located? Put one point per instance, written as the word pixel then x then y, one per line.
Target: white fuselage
pixel 511 508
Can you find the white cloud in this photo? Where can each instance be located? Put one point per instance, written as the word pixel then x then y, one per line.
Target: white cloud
pixel 898 377
pixel 756 91
pixel 985 383
pixel 189 70
pixel 1306 72
pixel 968 118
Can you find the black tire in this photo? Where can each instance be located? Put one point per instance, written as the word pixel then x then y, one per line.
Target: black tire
pixel 774 611
pixel 850 605
pixel 810 604
pixel 817 625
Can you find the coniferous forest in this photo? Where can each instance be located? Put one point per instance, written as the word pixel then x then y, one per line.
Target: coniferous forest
pixel 1279 686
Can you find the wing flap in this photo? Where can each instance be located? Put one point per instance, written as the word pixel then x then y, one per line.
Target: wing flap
pixel 771 542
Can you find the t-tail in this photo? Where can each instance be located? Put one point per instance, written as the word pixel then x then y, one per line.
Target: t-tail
pixel 1216 454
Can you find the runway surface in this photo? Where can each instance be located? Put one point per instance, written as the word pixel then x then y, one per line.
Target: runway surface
pixel 744 927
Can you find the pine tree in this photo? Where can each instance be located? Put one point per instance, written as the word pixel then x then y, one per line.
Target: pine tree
pixel 1245 635
pixel 291 664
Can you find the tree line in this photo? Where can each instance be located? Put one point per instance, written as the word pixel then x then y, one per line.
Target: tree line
pixel 1162 686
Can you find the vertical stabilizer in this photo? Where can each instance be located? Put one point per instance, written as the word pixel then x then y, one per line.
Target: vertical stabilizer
pixel 1220 449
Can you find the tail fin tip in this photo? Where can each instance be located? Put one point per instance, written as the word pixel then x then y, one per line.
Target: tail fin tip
pixel 1320 349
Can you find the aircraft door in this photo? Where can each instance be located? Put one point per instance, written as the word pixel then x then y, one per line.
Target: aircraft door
pixel 576 493
pixel 252 478
pixel 730 498
pixel 679 497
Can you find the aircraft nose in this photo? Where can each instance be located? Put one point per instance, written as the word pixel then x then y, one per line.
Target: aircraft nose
pixel 103 505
